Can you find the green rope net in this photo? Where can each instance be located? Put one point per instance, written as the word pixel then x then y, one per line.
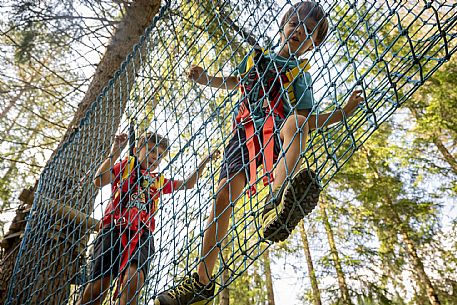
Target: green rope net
pixel 387 49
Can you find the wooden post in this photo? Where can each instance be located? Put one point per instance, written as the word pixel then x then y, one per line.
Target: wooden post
pixel 12 241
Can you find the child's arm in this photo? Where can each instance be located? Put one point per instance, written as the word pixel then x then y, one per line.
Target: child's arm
pixel 192 179
pixel 200 76
pixel 333 117
pixel 103 174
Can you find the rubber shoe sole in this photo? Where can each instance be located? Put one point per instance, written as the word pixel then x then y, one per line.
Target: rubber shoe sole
pixel 299 199
pixel 202 302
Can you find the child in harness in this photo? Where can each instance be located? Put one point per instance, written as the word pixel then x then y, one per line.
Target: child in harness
pixel 125 244
pixel 271 126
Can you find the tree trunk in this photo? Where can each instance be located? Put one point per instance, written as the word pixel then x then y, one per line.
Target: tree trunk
pixel 334 252
pixel 225 293
pixel 12 241
pixel 51 254
pixel 137 18
pixel 12 103
pixel 268 278
pixel 418 267
pixel 447 155
pixel 309 262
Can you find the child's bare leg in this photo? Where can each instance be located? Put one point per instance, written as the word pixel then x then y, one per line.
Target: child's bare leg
pixel 301 196
pixel 131 285
pixel 294 134
pixel 95 292
pixel 218 222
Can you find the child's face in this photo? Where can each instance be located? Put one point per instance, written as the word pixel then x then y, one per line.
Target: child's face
pixel 150 156
pixel 294 36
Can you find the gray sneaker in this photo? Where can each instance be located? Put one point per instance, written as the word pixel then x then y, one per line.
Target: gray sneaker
pixel 190 291
pixel 289 205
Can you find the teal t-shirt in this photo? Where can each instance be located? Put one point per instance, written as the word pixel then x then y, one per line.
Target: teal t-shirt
pixel 302 85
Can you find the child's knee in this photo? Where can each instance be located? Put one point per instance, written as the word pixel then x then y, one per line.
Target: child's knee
pixel 295 124
pixel 228 191
pixel 95 290
pixel 134 272
pixel 222 198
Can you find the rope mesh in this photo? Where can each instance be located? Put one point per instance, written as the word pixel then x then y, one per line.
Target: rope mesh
pixel 386 48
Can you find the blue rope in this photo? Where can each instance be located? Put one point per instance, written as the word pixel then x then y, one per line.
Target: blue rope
pixel 387 49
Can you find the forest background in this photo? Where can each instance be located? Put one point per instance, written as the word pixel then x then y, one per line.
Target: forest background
pixel 385 231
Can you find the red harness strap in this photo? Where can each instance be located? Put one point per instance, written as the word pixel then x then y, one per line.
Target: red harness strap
pixel 129 244
pixel 269 148
pixel 132 222
pixel 252 144
pixel 252 94
pixel 244 118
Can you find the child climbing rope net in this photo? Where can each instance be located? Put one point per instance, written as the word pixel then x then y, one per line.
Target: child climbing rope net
pixel 300 121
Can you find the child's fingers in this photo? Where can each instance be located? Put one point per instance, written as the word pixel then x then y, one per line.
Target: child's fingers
pixel 357 97
pixel 190 73
pixel 356 92
pixel 121 139
pixel 213 155
pixel 216 153
pixel 193 72
pixel 190 70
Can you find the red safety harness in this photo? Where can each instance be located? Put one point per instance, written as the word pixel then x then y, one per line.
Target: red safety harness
pixel 132 221
pixel 263 89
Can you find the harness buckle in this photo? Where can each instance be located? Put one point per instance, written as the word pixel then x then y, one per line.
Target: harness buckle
pixel 122 221
pixel 245 121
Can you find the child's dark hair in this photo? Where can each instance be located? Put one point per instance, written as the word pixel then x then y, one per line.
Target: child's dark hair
pixel 153 138
pixel 312 11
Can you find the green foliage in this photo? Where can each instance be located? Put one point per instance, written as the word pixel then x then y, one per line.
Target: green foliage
pixel 47 59
pixel 380 195
pixel 434 110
